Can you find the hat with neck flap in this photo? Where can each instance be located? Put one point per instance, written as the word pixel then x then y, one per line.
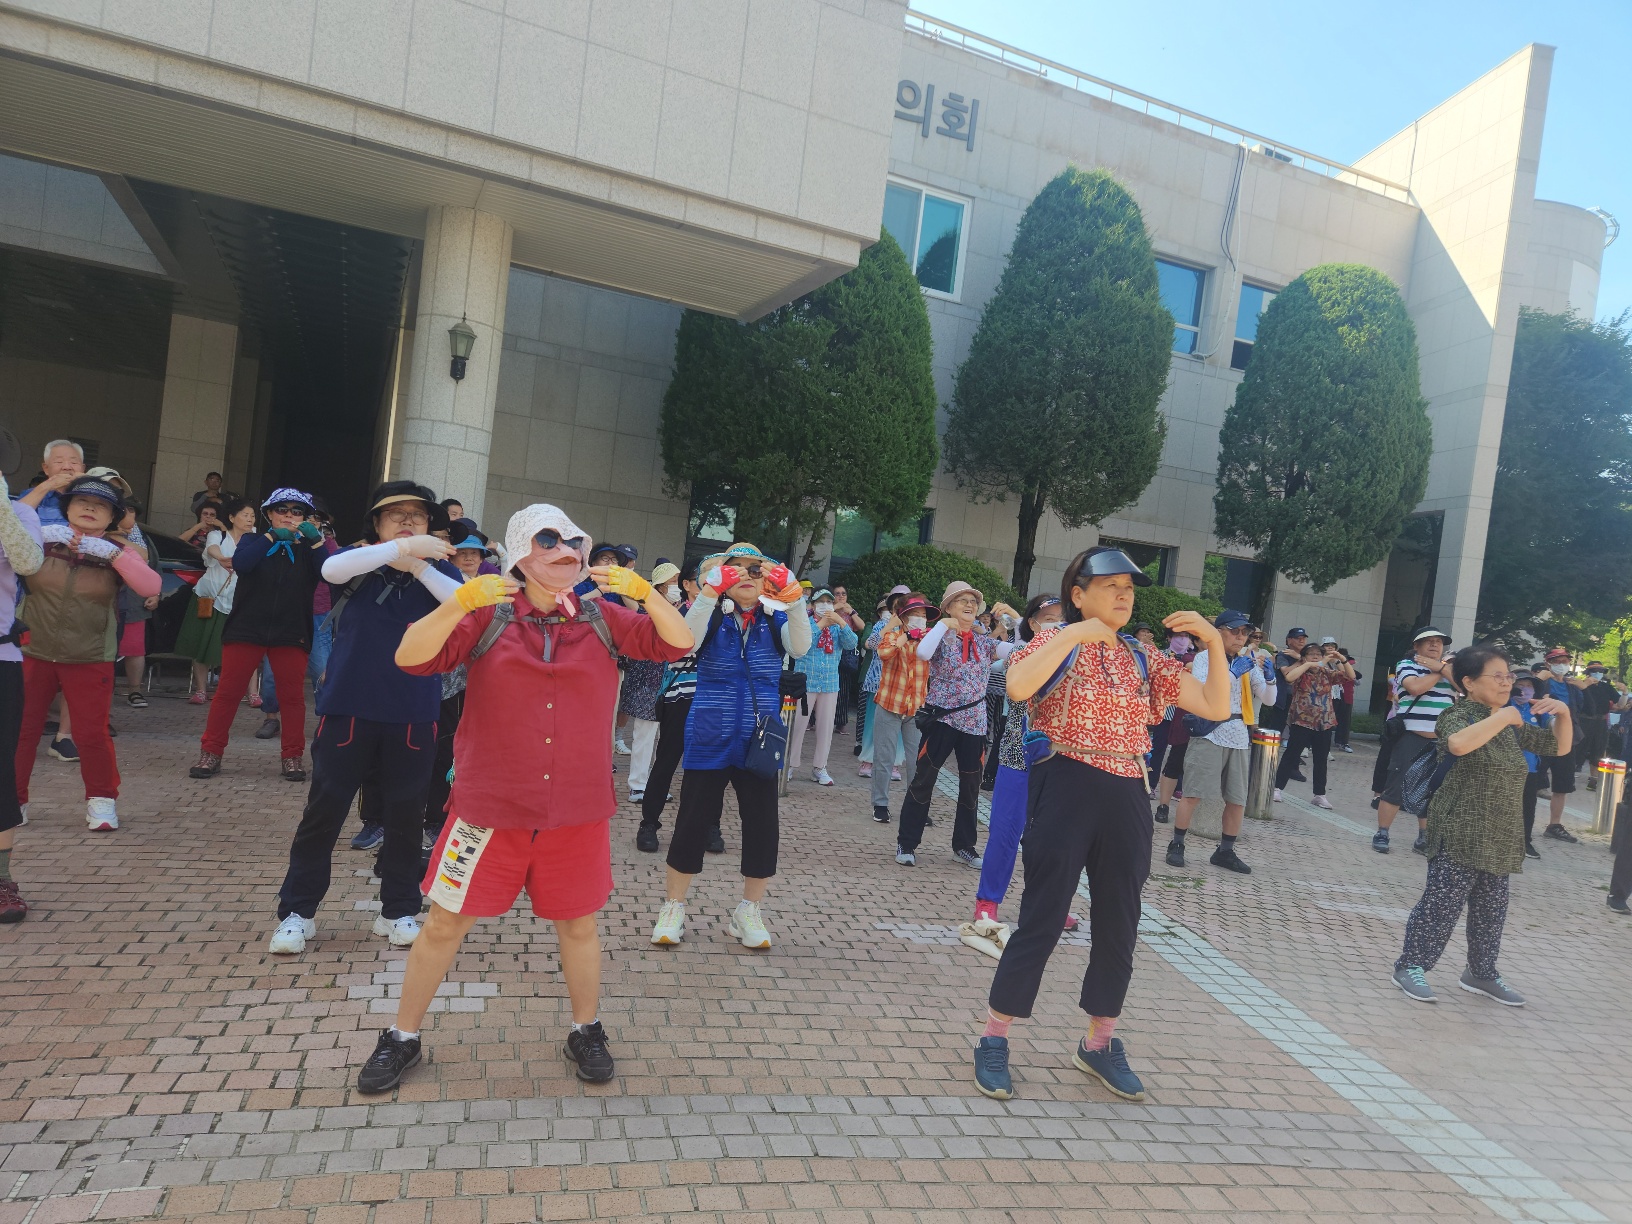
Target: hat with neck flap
pixel 530 520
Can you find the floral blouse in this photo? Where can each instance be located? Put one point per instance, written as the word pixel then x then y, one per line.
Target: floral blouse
pixel 1312 699
pixel 957 675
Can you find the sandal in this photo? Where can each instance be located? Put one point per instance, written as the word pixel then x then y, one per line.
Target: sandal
pixel 136 701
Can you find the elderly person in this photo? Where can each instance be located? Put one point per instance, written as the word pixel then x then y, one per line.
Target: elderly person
pixel 1475 824
pixel 62 463
pixel 1312 716
pixel 740 647
pixel 831 637
pixel 871 679
pixel 1425 692
pixel 20 555
pixel 642 690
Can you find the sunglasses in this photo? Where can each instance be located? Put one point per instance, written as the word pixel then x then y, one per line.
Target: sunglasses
pixel 297 511
pixel 549 537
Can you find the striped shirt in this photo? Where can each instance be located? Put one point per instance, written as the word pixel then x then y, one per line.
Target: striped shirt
pixel 1421 713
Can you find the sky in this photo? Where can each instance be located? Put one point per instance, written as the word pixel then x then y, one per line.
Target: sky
pixel 1339 79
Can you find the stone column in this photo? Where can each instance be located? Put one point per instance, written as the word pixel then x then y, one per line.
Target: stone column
pixel 193 416
pixel 447 426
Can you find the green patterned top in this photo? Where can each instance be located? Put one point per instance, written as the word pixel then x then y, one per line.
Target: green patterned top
pixel 1477 815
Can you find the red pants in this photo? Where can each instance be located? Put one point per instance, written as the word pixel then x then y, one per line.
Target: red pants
pixel 87 690
pixel 239 660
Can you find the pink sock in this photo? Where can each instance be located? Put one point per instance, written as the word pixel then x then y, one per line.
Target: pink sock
pixel 994 1026
pixel 1100 1029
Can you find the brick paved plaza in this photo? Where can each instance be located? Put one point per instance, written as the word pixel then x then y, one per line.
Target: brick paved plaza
pixel 157 1061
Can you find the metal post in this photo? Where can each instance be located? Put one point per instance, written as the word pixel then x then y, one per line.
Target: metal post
pixel 1266 758
pixel 1611 781
pixel 789 706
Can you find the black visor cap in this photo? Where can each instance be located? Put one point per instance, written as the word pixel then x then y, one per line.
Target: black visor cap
pixel 1112 561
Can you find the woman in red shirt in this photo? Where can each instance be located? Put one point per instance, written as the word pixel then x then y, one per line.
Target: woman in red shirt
pixel 532 765
pixel 1087 806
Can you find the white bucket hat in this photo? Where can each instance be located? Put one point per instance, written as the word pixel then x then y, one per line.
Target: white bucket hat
pixel 530 520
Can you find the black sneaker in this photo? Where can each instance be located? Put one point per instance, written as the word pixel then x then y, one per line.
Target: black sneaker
pixel 1226 857
pixel 1175 854
pixel 881 815
pixel 1559 833
pixel 63 749
pixel 1161 813
pixel 1530 850
pixel 1379 841
pixel 716 843
pixel 368 837
pixel 1421 844
pixel 587 1048
pixel 270 728
pixel 646 838
pixel 392 1056
pixel 1297 776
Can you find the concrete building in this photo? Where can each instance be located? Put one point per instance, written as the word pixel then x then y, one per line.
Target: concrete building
pixel 233 236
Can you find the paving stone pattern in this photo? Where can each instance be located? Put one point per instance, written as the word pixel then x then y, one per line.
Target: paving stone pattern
pixel 156 1061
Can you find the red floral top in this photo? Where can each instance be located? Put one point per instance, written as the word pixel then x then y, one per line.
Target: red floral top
pixel 1099 713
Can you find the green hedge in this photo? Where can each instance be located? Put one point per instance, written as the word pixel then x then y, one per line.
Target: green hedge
pixel 1152 603
pixel 923 567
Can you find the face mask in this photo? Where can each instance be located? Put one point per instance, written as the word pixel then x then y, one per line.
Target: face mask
pixel 822 609
pixel 916 622
pixel 672 594
pixel 1178 643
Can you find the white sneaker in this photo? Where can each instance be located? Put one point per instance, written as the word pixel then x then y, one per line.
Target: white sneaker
pixel 637 796
pixel 100 816
pixel 747 926
pixel 291 936
pixel 1321 801
pixel 24 810
pixel 1277 795
pixel 821 777
pixel 905 857
pixel 671 924
pixel 400 931
pixel 620 747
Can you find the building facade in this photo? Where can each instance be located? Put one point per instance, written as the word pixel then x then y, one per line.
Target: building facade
pixel 266 227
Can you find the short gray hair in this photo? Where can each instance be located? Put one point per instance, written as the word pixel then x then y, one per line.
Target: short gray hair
pixel 56 442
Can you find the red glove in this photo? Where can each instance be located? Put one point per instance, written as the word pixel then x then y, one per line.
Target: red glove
pixel 722 578
pixel 777 577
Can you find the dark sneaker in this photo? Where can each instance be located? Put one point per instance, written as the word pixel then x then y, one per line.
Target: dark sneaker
pixel 208 766
pixel 270 728
pixel 368 837
pixel 392 1056
pixel 1530 850
pixel 63 749
pixel 1493 988
pixel 1175 854
pixel 587 1048
pixel 968 858
pixel 1110 1067
pixel 1559 833
pixel 13 908
pixel 1421 844
pixel 716 843
pixel 1414 982
pixel 1162 813
pixel 646 838
pixel 1297 776
pixel 1226 857
pixel 992 1068
pixel 1379 841
pixel 293 769
pixel 881 815
pixel 1618 904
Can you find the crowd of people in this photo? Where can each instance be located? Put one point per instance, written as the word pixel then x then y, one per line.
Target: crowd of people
pixel 474 693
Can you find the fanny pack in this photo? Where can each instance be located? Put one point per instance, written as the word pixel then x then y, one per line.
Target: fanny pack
pixel 928 715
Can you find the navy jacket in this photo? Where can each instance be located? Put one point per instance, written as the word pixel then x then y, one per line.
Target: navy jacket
pixel 363 679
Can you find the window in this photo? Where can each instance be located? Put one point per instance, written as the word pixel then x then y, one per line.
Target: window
pixel 1181 294
pixel 929 228
pixel 1236 582
pixel 1155 560
pixel 1255 299
pixel 854 537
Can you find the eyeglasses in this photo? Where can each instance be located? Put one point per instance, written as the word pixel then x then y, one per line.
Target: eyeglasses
pixel 549 537
pixel 405 516
pixel 1500 677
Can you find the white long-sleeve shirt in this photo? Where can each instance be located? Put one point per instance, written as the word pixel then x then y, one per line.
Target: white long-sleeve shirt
pixel 1232 732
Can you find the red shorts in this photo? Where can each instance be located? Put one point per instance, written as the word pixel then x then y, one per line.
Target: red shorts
pixel 133 640
pixel 567 872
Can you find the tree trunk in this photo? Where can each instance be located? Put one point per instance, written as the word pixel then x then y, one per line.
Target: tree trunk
pixel 1261 603
pixel 1025 548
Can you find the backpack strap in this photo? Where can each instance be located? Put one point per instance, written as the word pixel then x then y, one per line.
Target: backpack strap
pixel 503 614
pixel 591 612
pixel 332 620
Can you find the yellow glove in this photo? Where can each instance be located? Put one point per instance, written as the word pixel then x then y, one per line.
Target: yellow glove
pixel 621 581
pixel 483 591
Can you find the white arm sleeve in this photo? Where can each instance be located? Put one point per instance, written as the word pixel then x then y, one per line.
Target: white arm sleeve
pixel 1005 649
pixel 342 567
pixel 796 633
pixel 434 581
pixel 928 644
pixel 701 612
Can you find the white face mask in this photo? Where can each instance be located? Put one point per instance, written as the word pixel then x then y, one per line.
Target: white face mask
pixel 822 609
pixel 916 622
pixel 672 594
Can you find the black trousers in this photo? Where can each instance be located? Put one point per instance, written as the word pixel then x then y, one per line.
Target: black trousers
pixel 1379 771
pixel 346 752
pixel 998 720
pixel 847 694
pixel 1319 744
pixel 1620 878
pixel 1533 783
pixel 11 725
pixel 702 800
pixel 1078 819
pixel 671 746
pixel 438 788
pixel 938 743
pixel 1345 720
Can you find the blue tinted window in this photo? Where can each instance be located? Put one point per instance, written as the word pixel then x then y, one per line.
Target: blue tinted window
pixel 938 241
pixel 1181 294
pixel 1255 299
pixel 901 218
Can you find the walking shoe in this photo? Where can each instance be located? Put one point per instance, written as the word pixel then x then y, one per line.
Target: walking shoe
pixel 1559 833
pixel 400 931
pixel 881 815
pixel 1494 987
pixel 716 843
pixel 1618 904
pixel 1414 982
pixel 255 701
pixel 620 747
pixel 1344 748
pixel 929 822
pixel 270 728
pixel 1544 794
pixel 1110 1067
pixel 1297 776
pixel 670 928
pixel 968 858
pixel 1175 854
pixel 1226 857
pixel 293 769
pixel 291 936
pixel 136 701
pixel 1072 922
pixel 586 1048
pixel 208 766
pixel 368 837
pixel 13 908
pixel 63 749
pixel 1162 813
pixel 637 796
pixel 1421 844
pixel 864 770
pixel 1322 802
pixel 987 784
pixel 747 927
pixel 821 777
pixel 1530 850
pixel 427 840
pixel 392 1056
pixel 1592 784
pixel 646 838
pixel 985 909
pixel 895 773
pixel 992 1068
pixel 100 816
pixel 1379 841
pixel 197 698
pixel 1275 795
pixel 905 857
